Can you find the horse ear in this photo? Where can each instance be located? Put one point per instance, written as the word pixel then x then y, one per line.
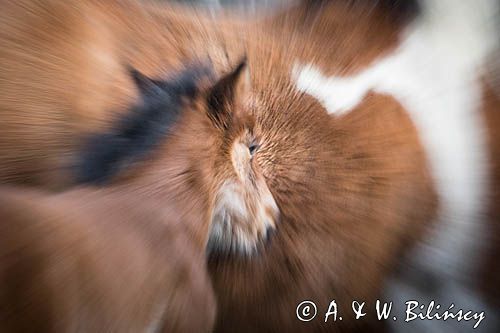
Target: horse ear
pixel 144 84
pixel 226 93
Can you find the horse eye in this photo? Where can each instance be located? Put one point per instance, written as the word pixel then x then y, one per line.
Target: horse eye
pixel 252 148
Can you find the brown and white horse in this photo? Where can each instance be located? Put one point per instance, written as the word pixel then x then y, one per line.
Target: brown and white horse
pixel 361 125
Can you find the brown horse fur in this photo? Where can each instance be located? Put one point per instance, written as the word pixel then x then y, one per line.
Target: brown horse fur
pixel 100 261
pixel 342 174
pixel 59 110
pixel 491 269
pixel 213 126
pixel 353 192
pixel 64 75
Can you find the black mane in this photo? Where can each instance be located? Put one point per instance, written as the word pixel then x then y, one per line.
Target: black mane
pixel 398 10
pixel 141 129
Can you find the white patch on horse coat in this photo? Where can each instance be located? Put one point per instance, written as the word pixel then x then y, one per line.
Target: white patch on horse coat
pixel 156 322
pixel 229 205
pixel 337 94
pixel 434 74
pixel 229 199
